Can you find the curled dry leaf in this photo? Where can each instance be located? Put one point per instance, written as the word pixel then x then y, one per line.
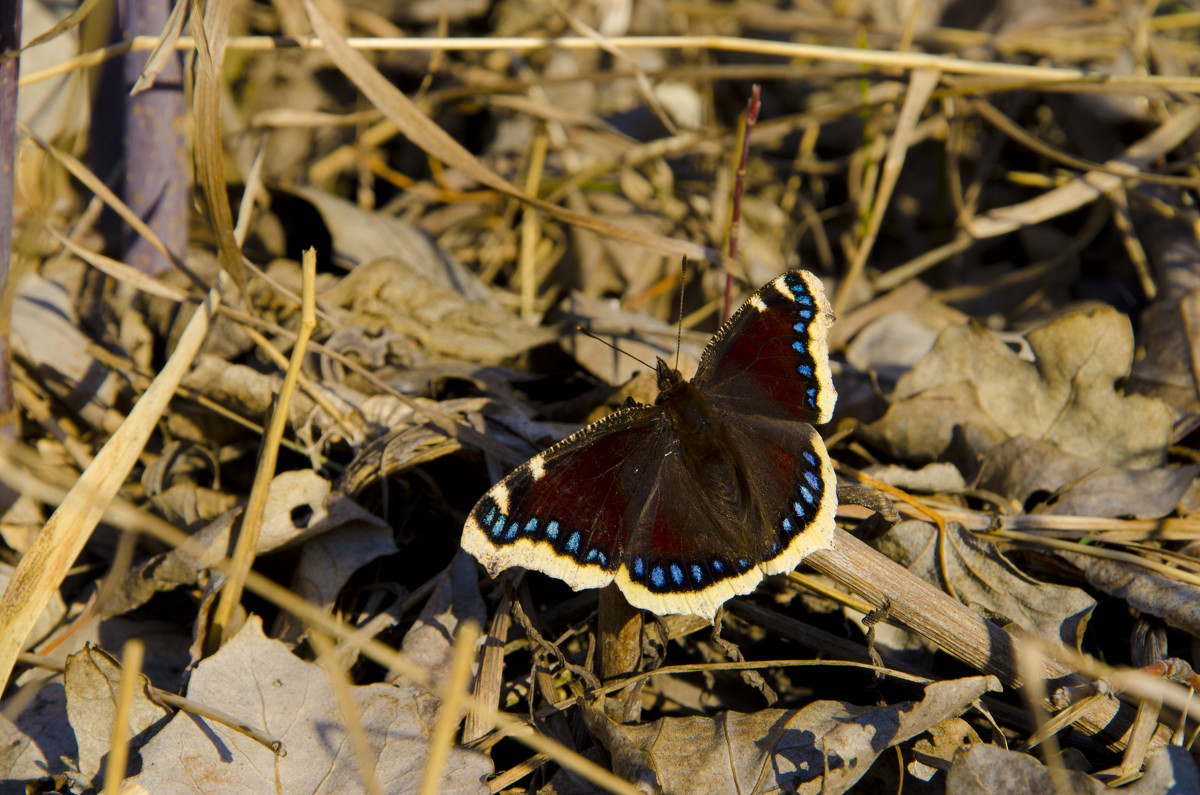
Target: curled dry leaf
pixel 389 293
pixel 361 235
pixel 1066 397
pixel 1146 590
pixel 988 582
pixel 261 683
pixel 824 747
pixel 1021 467
pixel 91 682
pixel 991 770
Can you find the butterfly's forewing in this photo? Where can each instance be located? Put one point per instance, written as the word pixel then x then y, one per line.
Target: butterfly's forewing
pixel 772 357
pixel 570 511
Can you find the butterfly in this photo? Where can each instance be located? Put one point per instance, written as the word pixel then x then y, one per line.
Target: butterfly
pixel 691 501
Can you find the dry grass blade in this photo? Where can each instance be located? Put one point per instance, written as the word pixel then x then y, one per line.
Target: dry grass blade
pixel 210 35
pixel 423 132
pixel 165 49
pixel 449 714
pixel 920 89
pixel 97 186
pixel 1059 201
pixel 247 542
pixel 948 623
pixel 341 684
pixel 44 566
pixel 131 670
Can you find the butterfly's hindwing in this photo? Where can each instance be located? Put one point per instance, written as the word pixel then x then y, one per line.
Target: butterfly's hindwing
pixel 691 557
pixel 772 357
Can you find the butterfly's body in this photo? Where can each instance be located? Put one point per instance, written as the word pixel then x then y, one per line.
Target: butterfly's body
pixel 693 500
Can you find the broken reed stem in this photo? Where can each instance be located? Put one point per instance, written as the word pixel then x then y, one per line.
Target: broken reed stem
pixel 955 628
pixel 619 628
pixel 247 543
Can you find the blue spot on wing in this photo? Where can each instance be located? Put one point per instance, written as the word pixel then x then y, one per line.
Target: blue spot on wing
pixel 798 347
pixel 591 555
pixel 697 574
pixel 804 369
pixel 491 515
pixel 637 567
pixel 512 532
pixel 803 299
pixel 808 497
pixel 799 509
pixel 601 556
pixel 810 458
pixel 531 525
pixel 805 313
pixel 573 542
pixel 552 529
pixel 800 328
pixel 718 566
pixel 657 577
pixel 812 480
pixel 787 526
pixel 498 526
pixel 676 574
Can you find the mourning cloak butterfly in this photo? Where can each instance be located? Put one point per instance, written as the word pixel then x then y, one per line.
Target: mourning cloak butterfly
pixel 691 501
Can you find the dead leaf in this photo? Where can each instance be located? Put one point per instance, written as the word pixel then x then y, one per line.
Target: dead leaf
pixel 1174 601
pixel 987 581
pixel 91 682
pixel 387 293
pixel 1066 397
pixel 360 236
pixel 38 740
pixel 1021 467
pixel 991 770
pixel 824 747
pixel 258 681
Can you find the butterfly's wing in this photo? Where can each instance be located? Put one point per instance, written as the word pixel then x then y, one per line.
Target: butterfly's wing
pixel 570 511
pixel 618 502
pixel 766 376
pixel 772 358
pixel 691 552
pixel 615 502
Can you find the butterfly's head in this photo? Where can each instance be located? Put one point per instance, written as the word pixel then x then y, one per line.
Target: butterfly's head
pixel 668 377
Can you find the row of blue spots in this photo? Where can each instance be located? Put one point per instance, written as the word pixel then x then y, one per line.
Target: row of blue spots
pixel 677 572
pixel 497 521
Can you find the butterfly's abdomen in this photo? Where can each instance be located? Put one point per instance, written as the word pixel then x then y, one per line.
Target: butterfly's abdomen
pixel 706 451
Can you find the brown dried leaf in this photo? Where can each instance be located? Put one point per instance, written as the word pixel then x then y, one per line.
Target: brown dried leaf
pixel 259 682
pixel 824 747
pixel 1066 397
pixel 360 235
pixel 1022 466
pixel 391 294
pixel 991 770
pixel 988 582
pixel 91 682
pixel 1148 591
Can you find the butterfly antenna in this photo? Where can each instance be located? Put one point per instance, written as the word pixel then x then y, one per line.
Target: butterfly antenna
pixel 679 327
pixel 598 338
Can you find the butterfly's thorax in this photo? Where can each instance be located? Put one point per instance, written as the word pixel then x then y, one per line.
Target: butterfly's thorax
pixel 702 442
